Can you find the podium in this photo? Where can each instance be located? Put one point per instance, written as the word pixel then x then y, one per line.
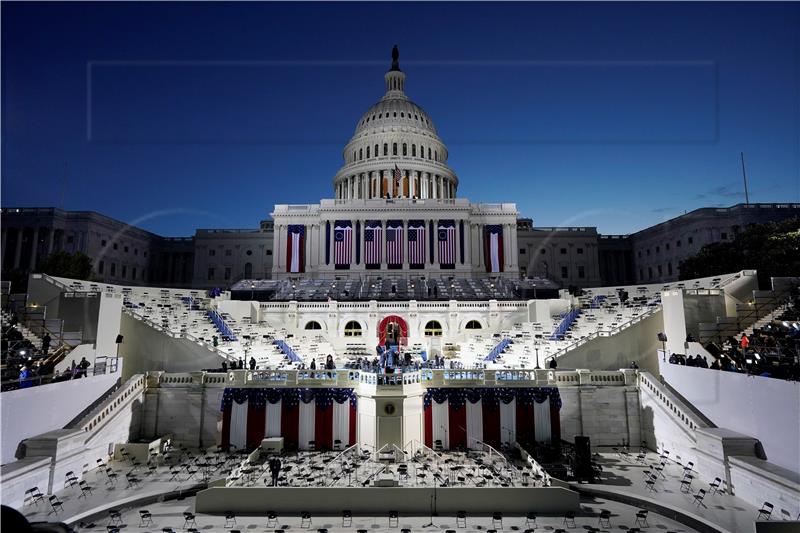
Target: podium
pixel 272 445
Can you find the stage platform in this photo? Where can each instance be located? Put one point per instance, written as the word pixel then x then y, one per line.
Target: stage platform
pixel 409 501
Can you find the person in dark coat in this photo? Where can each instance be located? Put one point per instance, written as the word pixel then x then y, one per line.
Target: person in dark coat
pixel 275 469
pixel 252 363
pixel 46 343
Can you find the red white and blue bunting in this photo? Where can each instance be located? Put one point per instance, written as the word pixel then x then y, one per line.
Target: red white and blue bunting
pixel 468 417
pixel 302 416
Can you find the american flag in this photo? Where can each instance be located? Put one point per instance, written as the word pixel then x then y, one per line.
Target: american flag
pixel 372 243
pixel 416 243
pixel 397 177
pixel 343 243
pixel 447 243
pixel 394 243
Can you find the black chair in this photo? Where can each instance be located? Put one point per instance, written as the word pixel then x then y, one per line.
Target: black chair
pixel 461 519
pixel 347 518
pixel 405 531
pixel 167 530
pixel 145 518
pixel 530 519
pixel 497 518
pixel 112 529
pixel 86 490
pixel 305 519
pixel 55 504
pixel 604 520
pixel 569 519
pixel 641 519
pixel 230 519
pixel 33 496
pixel 188 520
pixel 699 497
pixel 322 530
pixel 70 480
pixel 115 517
pixel 714 486
pixel 765 512
pixel 393 519
pixel 272 519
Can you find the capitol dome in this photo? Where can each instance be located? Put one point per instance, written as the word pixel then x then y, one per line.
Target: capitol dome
pixel 395 151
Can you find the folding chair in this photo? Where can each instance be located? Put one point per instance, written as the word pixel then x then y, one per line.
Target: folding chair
pixel 230 519
pixel 33 496
pixel 188 520
pixel 145 518
pixel 55 504
pixel 347 518
pixel 394 519
pixel 461 519
pixel 530 520
pixel 569 519
pixel 604 520
pixel 641 519
pixel 765 512
pixel 86 490
pixel 115 517
pixel 713 487
pixel 272 519
pixel 699 497
pixel 305 519
pixel 497 520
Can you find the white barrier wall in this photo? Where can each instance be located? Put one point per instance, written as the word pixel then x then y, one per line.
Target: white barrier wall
pixel 765 408
pixel 35 410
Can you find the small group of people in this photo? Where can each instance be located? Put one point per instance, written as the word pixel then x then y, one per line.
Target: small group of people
pixel 329 364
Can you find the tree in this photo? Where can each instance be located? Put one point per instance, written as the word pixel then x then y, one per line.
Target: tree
pixel 773 249
pixel 66 265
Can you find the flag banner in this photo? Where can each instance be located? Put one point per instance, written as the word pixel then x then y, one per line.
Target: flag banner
pixel 394 244
pixel 373 242
pixel 397 177
pixel 358 242
pixel 295 248
pixel 342 244
pixel 328 242
pixel 431 239
pixel 446 236
pixel 416 243
pixel 461 240
pixel 493 247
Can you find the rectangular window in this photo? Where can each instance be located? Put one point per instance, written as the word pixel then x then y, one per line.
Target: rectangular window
pixel 649 272
pixel 564 272
pixel 103 242
pixel 724 236
pixel 666 246
pixel 563 251
pixel 658 249
pixel 660 271
pixel 210 273
pixel 133 273
pixel 100 267
pixel 227 273
pixel 669 268
pixel 125 249
pixel 678 243
pixel 581 272
pixel 124 271
pixel 116 246
pixel 648 251
pixel 544 251
pixel 212 253
pixel 522 251
pixel 228 252
pixel 691 240
pixel 579 251
pixel 113 269
pixel 135 251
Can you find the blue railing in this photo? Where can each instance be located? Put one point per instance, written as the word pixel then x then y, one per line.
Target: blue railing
pixel 566 322
pixel 222 327
pixel 191 303
pixel 286 349
pixel 497 350
pixel 596 301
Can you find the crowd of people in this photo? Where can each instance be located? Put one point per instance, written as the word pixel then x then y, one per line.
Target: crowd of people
pixel 770 351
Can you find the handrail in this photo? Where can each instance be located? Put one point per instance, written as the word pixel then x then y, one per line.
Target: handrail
pixel 670 402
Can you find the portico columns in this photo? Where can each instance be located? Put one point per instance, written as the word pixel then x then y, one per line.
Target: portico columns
pixel 18 247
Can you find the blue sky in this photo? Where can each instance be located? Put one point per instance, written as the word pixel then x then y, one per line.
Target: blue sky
pixel 184 116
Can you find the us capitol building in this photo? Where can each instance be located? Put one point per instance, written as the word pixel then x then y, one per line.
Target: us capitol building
pixel 394 210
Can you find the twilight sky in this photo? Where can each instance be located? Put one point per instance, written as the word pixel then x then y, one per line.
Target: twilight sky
pixel 182 116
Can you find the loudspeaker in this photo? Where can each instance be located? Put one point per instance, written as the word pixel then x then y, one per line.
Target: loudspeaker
pixel 662 337
pixel 583 458
pixel 119 339
pixel 583 450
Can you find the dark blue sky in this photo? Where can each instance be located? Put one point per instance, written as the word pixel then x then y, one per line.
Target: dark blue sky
pixel 205 115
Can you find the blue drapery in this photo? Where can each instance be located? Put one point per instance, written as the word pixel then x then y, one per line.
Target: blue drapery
pixel 491 396
pixel 259 397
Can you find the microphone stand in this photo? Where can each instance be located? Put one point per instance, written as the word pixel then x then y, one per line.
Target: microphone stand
pixel 433 500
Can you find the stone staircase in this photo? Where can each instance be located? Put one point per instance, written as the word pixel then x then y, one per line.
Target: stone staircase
pixel 26 333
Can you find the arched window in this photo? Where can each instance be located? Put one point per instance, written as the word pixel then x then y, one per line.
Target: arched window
pixel 473 324
pixel 413 150
pixel 360 154
pixel 354 155
pixel 429 152
pixel 433 329
pixel 435 155
pixel 394 148
pixel 405 149
pixel 376 150
pixel 352 329
pixel 385 148
pixel 248 270
pixel 367 152
pixel 313 325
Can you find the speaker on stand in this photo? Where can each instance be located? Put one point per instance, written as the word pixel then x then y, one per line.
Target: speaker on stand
pixel 583 458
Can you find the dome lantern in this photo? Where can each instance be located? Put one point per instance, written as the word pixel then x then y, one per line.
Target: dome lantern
pixel 395 78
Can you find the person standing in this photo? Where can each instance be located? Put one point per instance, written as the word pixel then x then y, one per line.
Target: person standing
pixel 46 343
pixel 275 469
pixel 252 363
